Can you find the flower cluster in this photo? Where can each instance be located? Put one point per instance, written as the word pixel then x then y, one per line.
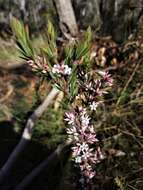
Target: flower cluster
pixel 92 88
pixel 39 65
pixel 84 151
pixel 106 77
pixel 61 69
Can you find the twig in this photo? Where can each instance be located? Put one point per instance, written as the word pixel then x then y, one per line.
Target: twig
pixel 128 82
pixel 27 134
pixel 133 136
pixel 132 187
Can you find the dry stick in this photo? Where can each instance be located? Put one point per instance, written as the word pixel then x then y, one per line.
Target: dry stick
pixel 42 166
pixel 128 82
pixel 27 134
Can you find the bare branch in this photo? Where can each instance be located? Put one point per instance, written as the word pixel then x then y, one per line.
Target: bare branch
pixel 27 134
pixel 43 165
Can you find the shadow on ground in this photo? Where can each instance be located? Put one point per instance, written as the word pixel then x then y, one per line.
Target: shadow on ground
pixel 33 154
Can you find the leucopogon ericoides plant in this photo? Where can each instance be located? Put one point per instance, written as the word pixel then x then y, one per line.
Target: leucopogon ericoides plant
pixel 70 67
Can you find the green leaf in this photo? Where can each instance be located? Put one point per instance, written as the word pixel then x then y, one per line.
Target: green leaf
pixel 51 32
pixel 88 35
pixel 82 50
pixel 51 49
pixel 83 47
pixel 58 87
pixel 22 38
pixel 69 51
pixel 48 52
pixel 73 82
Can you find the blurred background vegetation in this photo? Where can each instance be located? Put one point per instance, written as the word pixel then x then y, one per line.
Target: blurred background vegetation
pixel 117 27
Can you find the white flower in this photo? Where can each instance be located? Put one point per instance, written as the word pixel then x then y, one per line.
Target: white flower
pixel 84 147
pixel 102 73
pixel 78 159
pixel 67 70
pixel 94 105
pixel 85 120
pixel 61 69
pixel 56 68
pixel 86 155
pixel 44 71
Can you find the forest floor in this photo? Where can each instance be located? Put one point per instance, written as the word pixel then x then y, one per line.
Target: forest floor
pixel 121 124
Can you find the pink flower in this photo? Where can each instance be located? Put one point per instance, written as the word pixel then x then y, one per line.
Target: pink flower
pixel 91 138
pixel 30 62
pixel 85 151
pixel 45 69
pixel 107 77
pixel 39 65
pixel 70 118
pixel 89 174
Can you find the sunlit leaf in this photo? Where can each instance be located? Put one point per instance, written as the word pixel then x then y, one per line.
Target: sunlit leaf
pixel 22 38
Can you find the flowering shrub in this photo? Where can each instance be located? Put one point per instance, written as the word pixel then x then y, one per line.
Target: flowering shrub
pixel 72 71
pixel 86 151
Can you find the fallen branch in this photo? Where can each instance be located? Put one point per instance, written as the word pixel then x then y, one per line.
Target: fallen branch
pixel 27 134
pixel 42 166
pixel 55 155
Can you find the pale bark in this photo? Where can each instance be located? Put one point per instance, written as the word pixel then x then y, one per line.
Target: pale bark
pixel 66 16
pixel 27 134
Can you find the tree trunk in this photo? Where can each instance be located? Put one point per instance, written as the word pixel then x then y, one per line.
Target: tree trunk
pixel 66 16
pixel 118 18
